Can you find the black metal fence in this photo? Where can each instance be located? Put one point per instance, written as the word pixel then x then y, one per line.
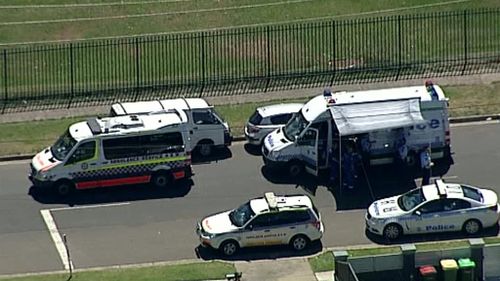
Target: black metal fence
pixel 243 60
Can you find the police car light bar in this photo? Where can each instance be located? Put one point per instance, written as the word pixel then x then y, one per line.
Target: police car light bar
pixel 271 200
pixel 441 186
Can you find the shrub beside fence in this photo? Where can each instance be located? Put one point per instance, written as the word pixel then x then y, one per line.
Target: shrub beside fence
pixel 243 60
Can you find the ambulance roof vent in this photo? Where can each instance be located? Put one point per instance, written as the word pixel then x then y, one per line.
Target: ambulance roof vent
pixel 441 187
pixel 271 200
pixel 94 126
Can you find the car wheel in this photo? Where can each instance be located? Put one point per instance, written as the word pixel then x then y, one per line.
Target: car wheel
pixel 472 227
pixel 295 168
pixel 64 187
pixel 161 179
pixel 392 231
pixel 229 248
pixel 299 242
pixel 205 149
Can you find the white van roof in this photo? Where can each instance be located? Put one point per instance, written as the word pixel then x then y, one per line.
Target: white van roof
pixel 144 107
pixel 316 106
pixel 125 124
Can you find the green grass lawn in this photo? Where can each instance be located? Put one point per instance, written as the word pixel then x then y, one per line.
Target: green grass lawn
pixel 184 272
pixel 75 21
pixel 31 137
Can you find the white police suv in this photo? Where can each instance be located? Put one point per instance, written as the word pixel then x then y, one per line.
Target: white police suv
pixel 438 207
pixel 271 220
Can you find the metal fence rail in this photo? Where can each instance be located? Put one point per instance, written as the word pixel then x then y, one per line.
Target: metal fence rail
pixel 243 60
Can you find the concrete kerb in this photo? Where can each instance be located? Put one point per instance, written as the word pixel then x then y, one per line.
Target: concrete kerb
pixel 115 267
pixel 240 138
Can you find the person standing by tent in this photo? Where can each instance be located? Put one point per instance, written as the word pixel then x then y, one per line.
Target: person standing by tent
pixel 425 164
pixel 348 166
pixel 334 164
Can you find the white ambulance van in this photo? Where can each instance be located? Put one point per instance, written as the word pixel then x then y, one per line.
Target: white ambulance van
pixel 102 152
pixel 376 118
pixel 206 128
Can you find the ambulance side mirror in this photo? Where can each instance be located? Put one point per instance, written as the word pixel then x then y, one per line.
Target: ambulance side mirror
pixel 418 213
pixel 249 227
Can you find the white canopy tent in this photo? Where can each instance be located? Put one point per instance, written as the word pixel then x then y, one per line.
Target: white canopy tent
pixel 358 118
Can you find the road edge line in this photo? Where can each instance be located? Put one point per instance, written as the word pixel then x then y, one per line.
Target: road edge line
pixel 56 238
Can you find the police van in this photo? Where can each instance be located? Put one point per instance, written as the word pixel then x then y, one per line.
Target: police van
pixel 374 120
pixel 206 128
pixel 102 152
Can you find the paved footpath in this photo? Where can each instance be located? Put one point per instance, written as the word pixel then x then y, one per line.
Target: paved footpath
pixel 260 96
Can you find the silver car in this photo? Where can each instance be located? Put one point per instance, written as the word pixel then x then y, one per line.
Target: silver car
pixel 267 119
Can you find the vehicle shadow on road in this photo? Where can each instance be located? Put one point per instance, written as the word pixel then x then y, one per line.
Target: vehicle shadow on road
pixel 430 237
pixel 113 194
pixel 259 253
pixel 255 150
pixel 218 155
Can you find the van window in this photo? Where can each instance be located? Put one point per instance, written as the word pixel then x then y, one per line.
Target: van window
pixel 84 152
pixel 163 143
pixel 143 145
pixel 281 118
pixel 122 147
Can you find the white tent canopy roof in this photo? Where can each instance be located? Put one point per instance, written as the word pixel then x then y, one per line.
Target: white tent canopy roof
pixel 358 118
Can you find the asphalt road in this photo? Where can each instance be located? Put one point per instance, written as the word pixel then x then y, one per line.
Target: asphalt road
pixel 139 224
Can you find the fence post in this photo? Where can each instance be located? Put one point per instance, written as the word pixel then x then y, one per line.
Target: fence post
pixel 268 74
pixel 465 42
pixel 5 77
pixel 203 70
pixel 399 48
pixel 137 69
pixel 333 60
pixel 72 75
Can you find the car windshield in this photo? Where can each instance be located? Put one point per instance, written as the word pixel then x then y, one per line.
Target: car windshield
pixel 63 146
pixel 411 199
pixel 295 126
pixel 241 215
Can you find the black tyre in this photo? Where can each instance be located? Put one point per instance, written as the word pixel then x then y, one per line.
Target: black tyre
pixel 299 242
pixel 161 179
pixel 64 187
pixel 392 231
pixel 295 169
pixel 472 227
pixel 205 149
pixel 229 248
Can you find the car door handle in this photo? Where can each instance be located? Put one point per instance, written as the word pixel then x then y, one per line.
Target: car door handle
pixel 93 164
pixel 104 163
pixel 267 230
pixel 292 227
pixel 195 128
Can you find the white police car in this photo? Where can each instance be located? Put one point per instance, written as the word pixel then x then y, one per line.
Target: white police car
pixel 438 207
pixel 271 220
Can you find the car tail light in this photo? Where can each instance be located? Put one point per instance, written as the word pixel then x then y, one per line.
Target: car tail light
pixel 317 224
pixel 253 129
pixel 494 208
pixel 447 137
pixel 188 160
